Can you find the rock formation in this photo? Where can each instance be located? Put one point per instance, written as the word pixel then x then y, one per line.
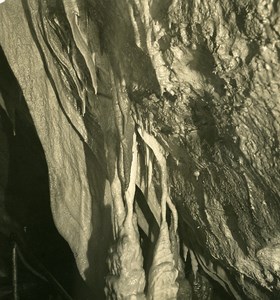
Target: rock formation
pixel 160 121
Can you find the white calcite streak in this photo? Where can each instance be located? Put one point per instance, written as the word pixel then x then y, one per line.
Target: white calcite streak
pixel 126 278
pixel 163 273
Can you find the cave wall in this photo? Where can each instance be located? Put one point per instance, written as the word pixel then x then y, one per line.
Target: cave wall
pixel 75 215
pixel 201 76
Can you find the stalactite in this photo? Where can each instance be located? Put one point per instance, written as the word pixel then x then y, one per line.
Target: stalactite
pixel 159 154
pixel 163 271
pixel 72 10
pixel 206 71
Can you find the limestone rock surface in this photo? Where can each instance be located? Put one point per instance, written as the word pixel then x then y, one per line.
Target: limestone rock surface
pixel 202 77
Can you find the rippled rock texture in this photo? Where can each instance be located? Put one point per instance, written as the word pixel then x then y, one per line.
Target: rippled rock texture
pixel 177 100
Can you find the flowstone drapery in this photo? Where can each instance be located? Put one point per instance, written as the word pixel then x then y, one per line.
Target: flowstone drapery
pixel 160 125
pixel 127 276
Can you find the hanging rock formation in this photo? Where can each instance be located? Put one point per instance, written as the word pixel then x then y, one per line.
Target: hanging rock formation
pixel 175 100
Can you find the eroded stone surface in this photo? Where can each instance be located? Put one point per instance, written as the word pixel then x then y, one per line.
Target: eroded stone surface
pixel 201 76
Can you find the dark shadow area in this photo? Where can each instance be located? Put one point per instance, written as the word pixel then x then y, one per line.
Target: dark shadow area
pixel 102 235
pixel 46 267
pixel 203 286
pixel 148 240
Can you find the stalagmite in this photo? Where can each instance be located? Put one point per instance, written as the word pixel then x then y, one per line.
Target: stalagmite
pixel 163 273
pixel 127 278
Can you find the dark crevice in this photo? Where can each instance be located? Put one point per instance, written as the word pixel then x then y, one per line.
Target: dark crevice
pixel 26 203
pixel 253 51
pixel 241 15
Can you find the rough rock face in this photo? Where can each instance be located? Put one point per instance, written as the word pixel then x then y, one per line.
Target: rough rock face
pixel 197 83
